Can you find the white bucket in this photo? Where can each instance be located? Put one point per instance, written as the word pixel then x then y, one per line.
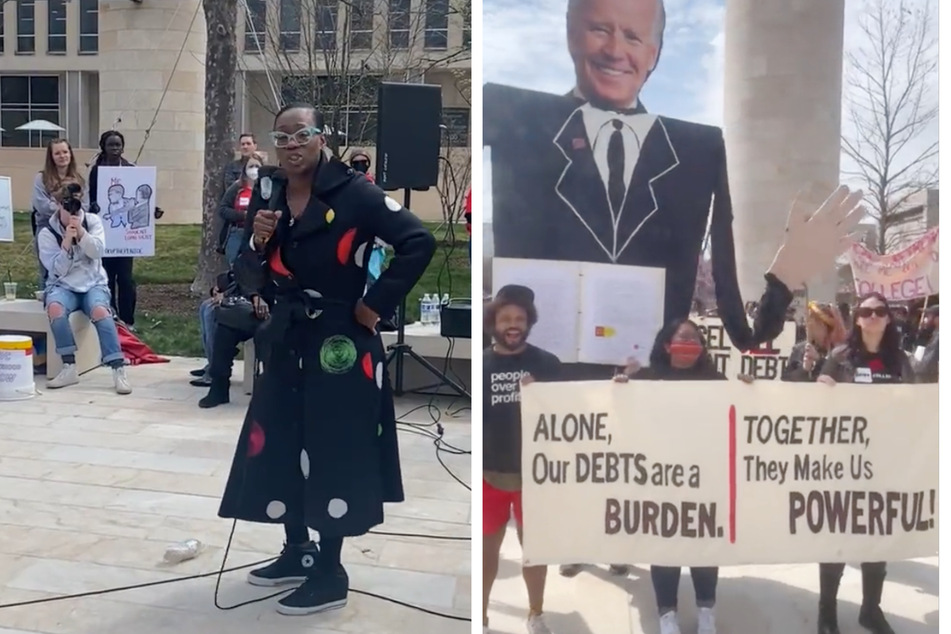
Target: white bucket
pixel 16 368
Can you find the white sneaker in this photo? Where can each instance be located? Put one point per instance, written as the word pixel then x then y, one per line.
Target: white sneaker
pixel 668 623
pixel 67 376
pixel 537 624
pixel 121 381
pixel 706 623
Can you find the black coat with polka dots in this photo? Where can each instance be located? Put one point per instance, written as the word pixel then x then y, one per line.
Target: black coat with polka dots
pixel 319 442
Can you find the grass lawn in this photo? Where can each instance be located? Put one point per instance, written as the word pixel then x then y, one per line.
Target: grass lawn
pixel 166 315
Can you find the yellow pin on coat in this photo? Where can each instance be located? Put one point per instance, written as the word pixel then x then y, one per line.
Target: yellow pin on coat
pixel 604 331
pixel 329 216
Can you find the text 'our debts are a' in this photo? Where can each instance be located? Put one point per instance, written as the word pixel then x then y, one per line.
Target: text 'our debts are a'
pixel 703 472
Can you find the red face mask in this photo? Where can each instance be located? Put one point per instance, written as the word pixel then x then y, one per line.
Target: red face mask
pixel 684 354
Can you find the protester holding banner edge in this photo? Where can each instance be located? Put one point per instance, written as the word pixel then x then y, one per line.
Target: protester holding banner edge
pixel 508 364
pixel 872 355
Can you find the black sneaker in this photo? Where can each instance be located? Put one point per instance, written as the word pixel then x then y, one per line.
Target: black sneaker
pixel 619 570
pixel 199 373
pixel 290 567
pixel 873 619
pixel 320 593
pixel 569 570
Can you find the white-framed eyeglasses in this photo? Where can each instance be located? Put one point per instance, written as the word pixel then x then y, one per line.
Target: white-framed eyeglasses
pixel 301 137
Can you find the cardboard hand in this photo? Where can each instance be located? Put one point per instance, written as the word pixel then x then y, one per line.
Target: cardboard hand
pixel 815 238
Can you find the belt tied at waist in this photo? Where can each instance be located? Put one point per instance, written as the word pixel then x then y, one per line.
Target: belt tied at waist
pixel 298 306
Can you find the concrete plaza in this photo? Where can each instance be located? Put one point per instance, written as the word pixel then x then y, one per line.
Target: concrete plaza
pixel 94 486
pixel 750 599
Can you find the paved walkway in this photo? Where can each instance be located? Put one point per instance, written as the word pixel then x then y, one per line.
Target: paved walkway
pixel 94 486
pixel 751 599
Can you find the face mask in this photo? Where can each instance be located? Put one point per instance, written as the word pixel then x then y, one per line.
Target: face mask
pixel 252 173
pixel 684 354
pixel 361 166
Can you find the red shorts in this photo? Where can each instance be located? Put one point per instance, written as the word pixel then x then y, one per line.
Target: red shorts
pixel 498 506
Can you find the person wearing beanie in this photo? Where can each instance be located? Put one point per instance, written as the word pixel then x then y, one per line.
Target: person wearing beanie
pixel 509 363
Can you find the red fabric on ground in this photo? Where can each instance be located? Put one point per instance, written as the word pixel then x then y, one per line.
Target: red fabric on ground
pixel 136 352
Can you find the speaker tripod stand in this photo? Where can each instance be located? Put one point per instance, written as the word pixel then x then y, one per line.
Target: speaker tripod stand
pixel 398 352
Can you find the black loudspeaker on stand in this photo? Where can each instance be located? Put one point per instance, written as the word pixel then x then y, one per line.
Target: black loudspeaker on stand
pixel 407 145
pixel 400 350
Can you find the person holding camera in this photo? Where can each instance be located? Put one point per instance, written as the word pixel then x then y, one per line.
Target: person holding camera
pixel 59 167
pixel 71 245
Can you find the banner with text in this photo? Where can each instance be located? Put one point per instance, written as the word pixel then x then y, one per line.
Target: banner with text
pixel 766 361
pixel 911 273
pixel 735 474
pixel 127 210
pixel 6 209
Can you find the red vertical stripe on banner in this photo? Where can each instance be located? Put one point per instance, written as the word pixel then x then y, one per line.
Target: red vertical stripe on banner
pixel 732 474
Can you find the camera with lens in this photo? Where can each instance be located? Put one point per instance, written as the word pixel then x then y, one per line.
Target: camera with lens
pixel 70 198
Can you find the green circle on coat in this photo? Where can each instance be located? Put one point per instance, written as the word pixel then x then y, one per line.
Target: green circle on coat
pixel 338 354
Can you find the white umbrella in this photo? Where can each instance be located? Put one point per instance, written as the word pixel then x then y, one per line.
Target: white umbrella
pixel 41 125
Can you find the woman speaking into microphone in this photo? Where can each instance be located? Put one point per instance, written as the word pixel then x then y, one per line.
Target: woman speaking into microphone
pixel 318 448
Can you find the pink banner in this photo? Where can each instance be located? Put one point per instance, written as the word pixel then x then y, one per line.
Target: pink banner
pixel 911 273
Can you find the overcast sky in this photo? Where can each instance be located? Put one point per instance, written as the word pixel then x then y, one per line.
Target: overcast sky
pixel 525 47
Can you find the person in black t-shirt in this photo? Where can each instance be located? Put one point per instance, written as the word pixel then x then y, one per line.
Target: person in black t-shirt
pixel 872 355
pixel 509 363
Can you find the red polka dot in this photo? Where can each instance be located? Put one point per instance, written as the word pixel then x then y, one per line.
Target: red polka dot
pixel 368 365
pixel 255 440
pixel 345 246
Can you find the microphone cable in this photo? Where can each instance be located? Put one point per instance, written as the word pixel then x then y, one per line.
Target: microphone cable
pixel 415 428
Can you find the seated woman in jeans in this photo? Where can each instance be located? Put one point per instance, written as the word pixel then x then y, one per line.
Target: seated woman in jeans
pixel 71 248
pixel 680 354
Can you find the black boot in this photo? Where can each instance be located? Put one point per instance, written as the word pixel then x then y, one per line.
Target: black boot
pixel 291 567
pixel 218 394
pixel 322 591
pixel 871 616
pixel 828 591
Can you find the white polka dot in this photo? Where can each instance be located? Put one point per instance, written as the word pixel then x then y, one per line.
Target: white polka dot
pixel 379 376
pixel 358 256
pixel 276 509
pixel 316 538
pixel 392 205
pixel 304 463
pixel 337 508
pixel 307 561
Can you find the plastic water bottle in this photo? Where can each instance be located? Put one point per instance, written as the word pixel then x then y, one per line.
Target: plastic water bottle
pixel 425 309
pixel 182 551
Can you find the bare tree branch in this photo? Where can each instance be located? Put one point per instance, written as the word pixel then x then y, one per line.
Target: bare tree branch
pixel 335 54
pixel 891 105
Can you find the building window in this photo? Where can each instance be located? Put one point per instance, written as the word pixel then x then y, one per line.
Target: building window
pixel 88 26
pixel 2 34
pixel 325 24
pixel 255 26
pixel 25 98
pixel 349 104
pixel 26 26
pixel 456 121
pixel 290 25
pixel 361 24
pixel 56 38
pixel 398 23
pixel 436 35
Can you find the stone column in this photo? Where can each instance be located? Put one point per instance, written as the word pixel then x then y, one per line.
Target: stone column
pixel 137 56
pixel 782 119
